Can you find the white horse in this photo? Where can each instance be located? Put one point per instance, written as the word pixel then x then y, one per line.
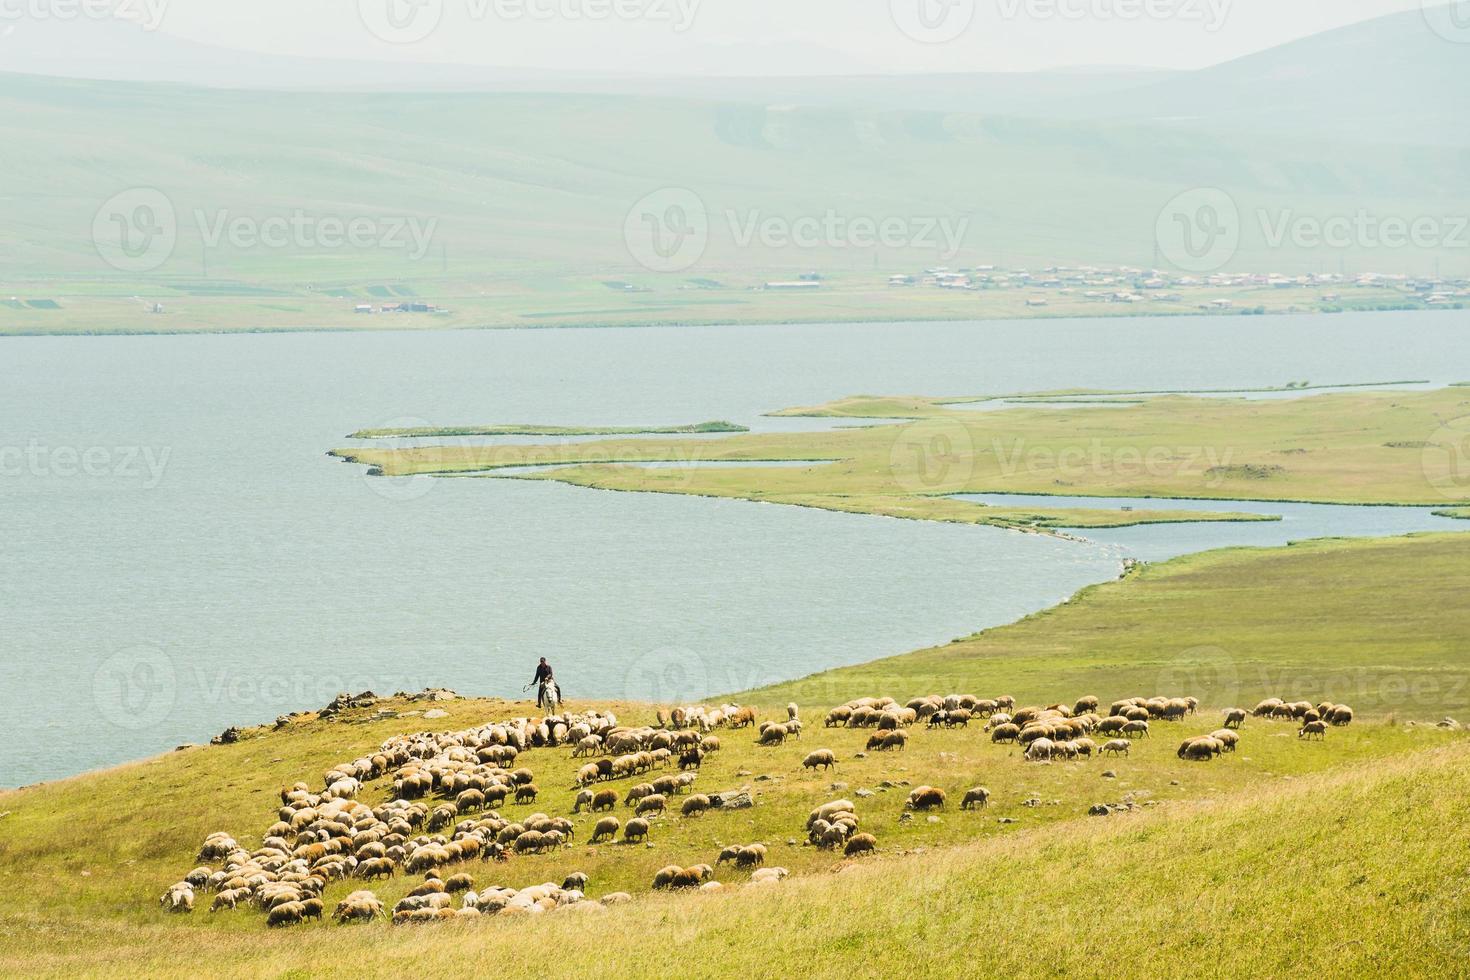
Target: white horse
pixel 548 697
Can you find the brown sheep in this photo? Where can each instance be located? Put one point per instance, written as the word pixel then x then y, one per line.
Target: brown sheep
pixel 977 797
pixel 1234 717
pixel 926 798
pixel 526 793
pixel 695 806
pixel 287 914
pixel 1317 728
pixel 605 800
pixel 653 803
pixel 636 829
pixel 606 829
pixel 750 856
pixel 820 759
pixel 1340 715
pixel 860 844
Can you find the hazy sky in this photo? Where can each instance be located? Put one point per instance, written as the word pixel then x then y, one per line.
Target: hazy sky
pixel 714 35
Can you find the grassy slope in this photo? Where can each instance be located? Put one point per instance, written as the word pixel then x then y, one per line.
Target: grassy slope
pixel 1252 885
pixel 1396 447
pixel 1360 613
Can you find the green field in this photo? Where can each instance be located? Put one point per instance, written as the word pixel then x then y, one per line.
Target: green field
pixel 1360 447
pixel 1250 845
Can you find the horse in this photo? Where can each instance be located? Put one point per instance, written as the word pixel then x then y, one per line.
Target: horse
pixel 548 696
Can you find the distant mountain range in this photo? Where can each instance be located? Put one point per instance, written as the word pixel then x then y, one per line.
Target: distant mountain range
pixel 539 172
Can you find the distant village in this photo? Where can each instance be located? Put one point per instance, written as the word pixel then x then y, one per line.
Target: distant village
pixel 1129 285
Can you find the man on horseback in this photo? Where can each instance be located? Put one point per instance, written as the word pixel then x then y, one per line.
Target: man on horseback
pixel 548 691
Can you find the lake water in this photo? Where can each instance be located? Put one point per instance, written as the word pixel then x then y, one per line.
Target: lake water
pixel 179 555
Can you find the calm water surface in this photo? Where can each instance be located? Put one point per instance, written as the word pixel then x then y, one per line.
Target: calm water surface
pixel 179 555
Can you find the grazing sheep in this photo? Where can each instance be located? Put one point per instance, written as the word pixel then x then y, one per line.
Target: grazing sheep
pixel 1139 729
pixel 1340 715
pixel 860 844
pixel 764 875
pixel 750 856
pixel 1118 746
pixel 526 793
pixel 926 798
pixel 1317 728
pixel 382 867
pixel 178 898
pixel 1228 738
pixel 604 800
pixel 820 759
pixel 729 853
pixel 772 734
pixel 459 883
pixel 695 806
pixel 1005 733
pixel 1234 717
pixel 664 877
pixel 637 829
pixel 1039 749
pixel 576 881
pixel 606 829
pixel 653 803
pixel 287 914
pixel 977 797
pixel 1201 749
pixel 791 712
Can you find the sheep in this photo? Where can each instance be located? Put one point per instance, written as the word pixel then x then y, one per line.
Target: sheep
pixel 229 898
pixel 750 856
pixel 763 875
pixel 526 793
pixel 459 883
pixel 791 712
pixel 1228 738
pixel 1317 728
pixel 1200 749
pixel 695 806
pixel 286 914
pixel 576 881
pixel 977 797
pixel 729 853
pixel 860 844
pixel 664 877
pixel 653 803
pixel 382 867
pixel 636 829
pixel 606 829
pixel 1005 733
pixel 1041 748
pixel 1340 715
pixel 1234 717
pixel 1117 746
pixel 896 739
pixel 820 759
pixel 178 898
pixel 926 798
pixel 637 793
pixel 1135 728
pixel 772 734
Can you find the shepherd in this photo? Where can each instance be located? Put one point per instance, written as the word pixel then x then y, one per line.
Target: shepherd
pixel 548 691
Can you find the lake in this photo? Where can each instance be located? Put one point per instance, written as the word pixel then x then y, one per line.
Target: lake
pixel 180 555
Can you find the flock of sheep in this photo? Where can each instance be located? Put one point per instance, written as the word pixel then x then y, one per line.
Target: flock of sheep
pixel 445 784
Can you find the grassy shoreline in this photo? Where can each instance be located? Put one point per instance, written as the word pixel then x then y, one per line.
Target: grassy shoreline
pixel 433 432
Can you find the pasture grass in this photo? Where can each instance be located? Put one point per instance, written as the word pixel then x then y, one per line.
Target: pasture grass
pixel 1348 853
